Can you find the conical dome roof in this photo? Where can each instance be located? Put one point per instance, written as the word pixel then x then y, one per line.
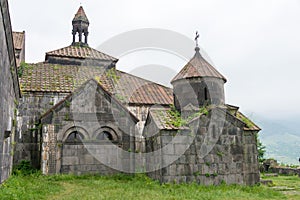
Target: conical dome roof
pixel 198 67
pixel 80 16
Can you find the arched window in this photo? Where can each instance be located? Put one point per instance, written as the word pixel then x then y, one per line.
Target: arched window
pixel 104 136
pixel 74 137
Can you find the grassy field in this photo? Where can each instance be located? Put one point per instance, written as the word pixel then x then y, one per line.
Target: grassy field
pixel 36 186
pixel 287 185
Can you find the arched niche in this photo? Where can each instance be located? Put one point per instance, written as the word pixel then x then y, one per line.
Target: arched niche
pixel 106 133
pixel 74 137
pixel 75 133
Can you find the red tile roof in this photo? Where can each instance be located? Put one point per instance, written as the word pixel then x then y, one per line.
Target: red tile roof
pixel 137 90
pixel 19 39
pixel 198 67
pixel 77 51
pixel 45 77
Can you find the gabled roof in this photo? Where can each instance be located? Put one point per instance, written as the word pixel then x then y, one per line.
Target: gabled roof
pixel 77 91
pixel 198 67
pixel 19 39
pixel 81 52
pixel 80 15
pixel 45 77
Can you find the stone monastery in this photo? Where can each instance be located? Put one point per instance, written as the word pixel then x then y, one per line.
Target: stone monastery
pixel 75 112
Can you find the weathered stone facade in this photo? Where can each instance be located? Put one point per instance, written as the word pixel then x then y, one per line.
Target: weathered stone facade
pixel 9 90
pixel 89 112
pixel 210 151
pixel 208 90
pixel 31 107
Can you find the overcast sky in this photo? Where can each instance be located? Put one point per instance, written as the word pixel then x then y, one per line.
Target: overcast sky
pixel 255 44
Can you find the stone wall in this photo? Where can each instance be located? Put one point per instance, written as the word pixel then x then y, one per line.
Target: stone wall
pixel 31 107
pixel 198 92
pixel 285 170
pixel 58 156
pixel 90 111
pixel 250 153
pixel 9 90
pixel 219 152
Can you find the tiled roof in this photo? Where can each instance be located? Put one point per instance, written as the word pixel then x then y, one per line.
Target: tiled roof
pixel 83 52
pixel 137 90
pixel 18 38
pixel 45 77
pixel 198 67
pixel 162 119
pixel 80 15
pixel 70 97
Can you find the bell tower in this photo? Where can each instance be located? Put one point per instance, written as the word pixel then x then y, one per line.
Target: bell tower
pixel 80 26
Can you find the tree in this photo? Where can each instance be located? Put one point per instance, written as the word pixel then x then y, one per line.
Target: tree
pixel 261 149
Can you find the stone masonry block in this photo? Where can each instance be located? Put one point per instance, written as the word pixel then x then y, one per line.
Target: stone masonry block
pixel 180 148
pixel 70 160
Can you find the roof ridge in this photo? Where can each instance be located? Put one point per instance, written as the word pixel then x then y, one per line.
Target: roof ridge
pixel 83 53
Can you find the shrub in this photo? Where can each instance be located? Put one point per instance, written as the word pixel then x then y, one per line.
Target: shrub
pixel 24 168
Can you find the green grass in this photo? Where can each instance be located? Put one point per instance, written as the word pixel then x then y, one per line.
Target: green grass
pixel 128 187
pixel 287 185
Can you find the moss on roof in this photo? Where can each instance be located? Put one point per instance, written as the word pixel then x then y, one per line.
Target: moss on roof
pixel 46 77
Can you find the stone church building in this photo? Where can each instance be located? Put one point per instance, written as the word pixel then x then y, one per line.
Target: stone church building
pixel 79 114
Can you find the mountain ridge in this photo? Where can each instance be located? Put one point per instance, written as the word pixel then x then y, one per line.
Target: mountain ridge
pixel 281 138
